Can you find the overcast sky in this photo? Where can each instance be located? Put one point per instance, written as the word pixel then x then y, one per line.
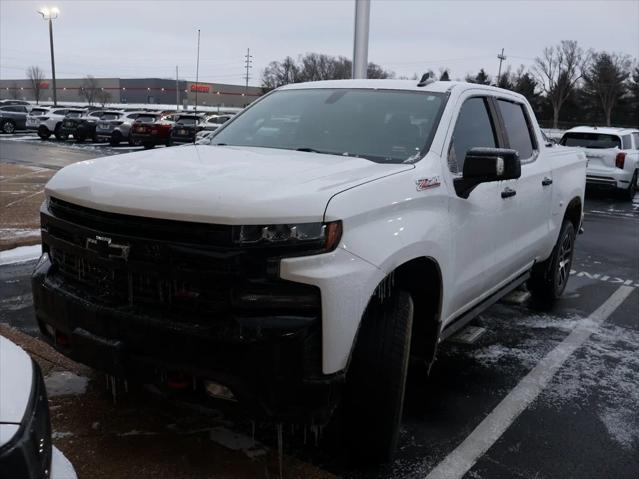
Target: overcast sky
pixel 149 38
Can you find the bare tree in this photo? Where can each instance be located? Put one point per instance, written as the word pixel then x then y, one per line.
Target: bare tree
pixel 89 89
pixel 35 76
pixel 314 67
pixel 558 71
pixel 103 97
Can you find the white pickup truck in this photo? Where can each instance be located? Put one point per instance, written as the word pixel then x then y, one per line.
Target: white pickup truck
pixel 328 235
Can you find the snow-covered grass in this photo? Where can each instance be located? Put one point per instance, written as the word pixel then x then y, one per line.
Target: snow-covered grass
pixel 20 254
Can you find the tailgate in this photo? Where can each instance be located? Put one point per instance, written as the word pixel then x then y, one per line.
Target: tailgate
pixel 601 158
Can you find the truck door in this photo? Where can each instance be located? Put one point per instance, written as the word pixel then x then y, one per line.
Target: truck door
pixel 473 219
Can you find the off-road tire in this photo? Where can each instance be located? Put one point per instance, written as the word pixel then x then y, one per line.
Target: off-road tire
pixel 373 400
pixel 43 132
pixel 629 193
pixel 549 278
pixel 8 127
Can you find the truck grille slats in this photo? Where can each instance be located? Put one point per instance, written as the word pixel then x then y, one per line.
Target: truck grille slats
pixel 178 270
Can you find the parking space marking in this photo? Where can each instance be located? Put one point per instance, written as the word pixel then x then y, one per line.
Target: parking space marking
pixel 605 278
pixel 464 457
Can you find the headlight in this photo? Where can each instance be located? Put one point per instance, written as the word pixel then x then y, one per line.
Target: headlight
pixel 323 236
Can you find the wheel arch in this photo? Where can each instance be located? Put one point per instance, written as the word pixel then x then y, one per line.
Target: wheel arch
pixel 574 212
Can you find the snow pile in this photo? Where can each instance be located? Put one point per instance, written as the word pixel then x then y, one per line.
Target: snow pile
pixel 20 254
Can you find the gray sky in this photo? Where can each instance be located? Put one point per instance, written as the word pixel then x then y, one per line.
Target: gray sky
pixel 122 38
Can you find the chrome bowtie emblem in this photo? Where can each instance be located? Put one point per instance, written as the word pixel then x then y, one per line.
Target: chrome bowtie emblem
pixel 105 248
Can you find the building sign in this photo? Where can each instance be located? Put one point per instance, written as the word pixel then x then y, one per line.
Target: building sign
pixel 44 85
pixel 200 88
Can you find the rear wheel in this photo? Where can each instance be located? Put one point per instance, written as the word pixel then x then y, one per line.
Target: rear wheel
pixel 8 127
pixel 43 132
pixel 59 135
pixel 376 379
pixel 148 146
pixel 549 278
pixel 629 193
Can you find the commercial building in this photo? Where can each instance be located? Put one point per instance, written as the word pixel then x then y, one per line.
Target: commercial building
pixel 133 90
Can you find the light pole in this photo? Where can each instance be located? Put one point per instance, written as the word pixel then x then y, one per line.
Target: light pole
pixel 50 14
pixel 360 38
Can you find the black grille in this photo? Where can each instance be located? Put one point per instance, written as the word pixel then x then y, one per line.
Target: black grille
pixel 179 269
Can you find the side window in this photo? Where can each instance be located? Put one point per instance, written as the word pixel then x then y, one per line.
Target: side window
pixel 636 138
pixel 60 112
pixel 474 128
pixel 626 142
pixel 516 128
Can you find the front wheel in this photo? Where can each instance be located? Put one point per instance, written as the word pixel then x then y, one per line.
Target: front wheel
pixel 549 278
pixel 59 135
pixel 376 379
pixel 8 127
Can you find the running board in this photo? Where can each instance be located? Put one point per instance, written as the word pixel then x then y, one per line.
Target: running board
pixel 462 320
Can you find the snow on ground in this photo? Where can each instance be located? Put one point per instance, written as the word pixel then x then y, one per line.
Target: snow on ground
pixel 60 383
pixel 20 254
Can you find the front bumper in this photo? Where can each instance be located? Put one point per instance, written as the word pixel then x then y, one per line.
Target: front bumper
pixel 28 454
pixel 251 332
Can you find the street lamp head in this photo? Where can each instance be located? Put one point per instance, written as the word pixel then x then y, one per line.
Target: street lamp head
pixel 49 13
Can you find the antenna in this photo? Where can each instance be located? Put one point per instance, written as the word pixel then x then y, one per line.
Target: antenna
pixel 197 69
pixel 501 57
pixel 248 64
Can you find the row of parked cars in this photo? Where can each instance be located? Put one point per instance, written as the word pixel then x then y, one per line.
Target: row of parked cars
pixel 139 127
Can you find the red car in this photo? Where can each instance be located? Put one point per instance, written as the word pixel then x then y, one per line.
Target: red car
pixel 151 129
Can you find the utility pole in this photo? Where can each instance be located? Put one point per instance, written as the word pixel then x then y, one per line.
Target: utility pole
pixel 248 64
pixel 177 89
pixel 360 40
pixel 501 57
pixel 197 69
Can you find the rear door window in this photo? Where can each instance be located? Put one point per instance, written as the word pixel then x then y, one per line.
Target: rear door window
pixel 591 140
pixel 517 129
pixel 474 128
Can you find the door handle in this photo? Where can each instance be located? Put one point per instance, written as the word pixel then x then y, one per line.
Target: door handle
pixel 508 192
pixel 546 181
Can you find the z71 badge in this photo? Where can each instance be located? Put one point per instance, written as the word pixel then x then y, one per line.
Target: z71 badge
pixel 426 183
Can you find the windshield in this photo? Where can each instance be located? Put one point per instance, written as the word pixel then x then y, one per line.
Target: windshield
pixel 591 140
pixel 379 125
pixel 75 114
pixel 110 116
pixel 38 111
pixel 146 118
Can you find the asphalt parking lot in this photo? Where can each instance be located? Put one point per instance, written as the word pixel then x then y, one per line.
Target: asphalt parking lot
pixel 542 393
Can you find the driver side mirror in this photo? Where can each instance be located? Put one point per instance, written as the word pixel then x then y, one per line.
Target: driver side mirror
pixel 485 165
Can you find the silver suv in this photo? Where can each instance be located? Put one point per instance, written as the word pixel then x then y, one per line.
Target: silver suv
pixel 12 118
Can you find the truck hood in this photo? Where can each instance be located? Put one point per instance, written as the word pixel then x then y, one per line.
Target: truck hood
pixel 216 184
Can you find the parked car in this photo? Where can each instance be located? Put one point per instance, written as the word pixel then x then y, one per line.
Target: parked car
pixel 26 451
pixel 51 123
pixel 83 128
pixel 14 102
pixel 33 117
pixel 327 237
pixel 184 128
pixel 151 129
pixel 613 157
pixel 213 122
pixel 12 118
pixel 115 127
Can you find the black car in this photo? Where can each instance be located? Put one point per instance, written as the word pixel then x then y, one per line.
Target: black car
pixel 185 128
pixel 83 127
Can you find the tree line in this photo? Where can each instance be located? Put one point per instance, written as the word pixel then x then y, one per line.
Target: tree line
pixel 566 84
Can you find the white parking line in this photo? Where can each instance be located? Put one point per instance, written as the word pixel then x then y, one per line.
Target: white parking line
pixel 462 459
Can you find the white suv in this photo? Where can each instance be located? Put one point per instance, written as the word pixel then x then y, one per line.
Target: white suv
pixel 51 123
pixel 327 235
pixel 613 156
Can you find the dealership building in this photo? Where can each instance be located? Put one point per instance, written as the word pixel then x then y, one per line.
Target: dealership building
pixel 135 90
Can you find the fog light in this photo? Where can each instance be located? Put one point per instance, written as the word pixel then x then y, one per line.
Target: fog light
pixel 218 391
